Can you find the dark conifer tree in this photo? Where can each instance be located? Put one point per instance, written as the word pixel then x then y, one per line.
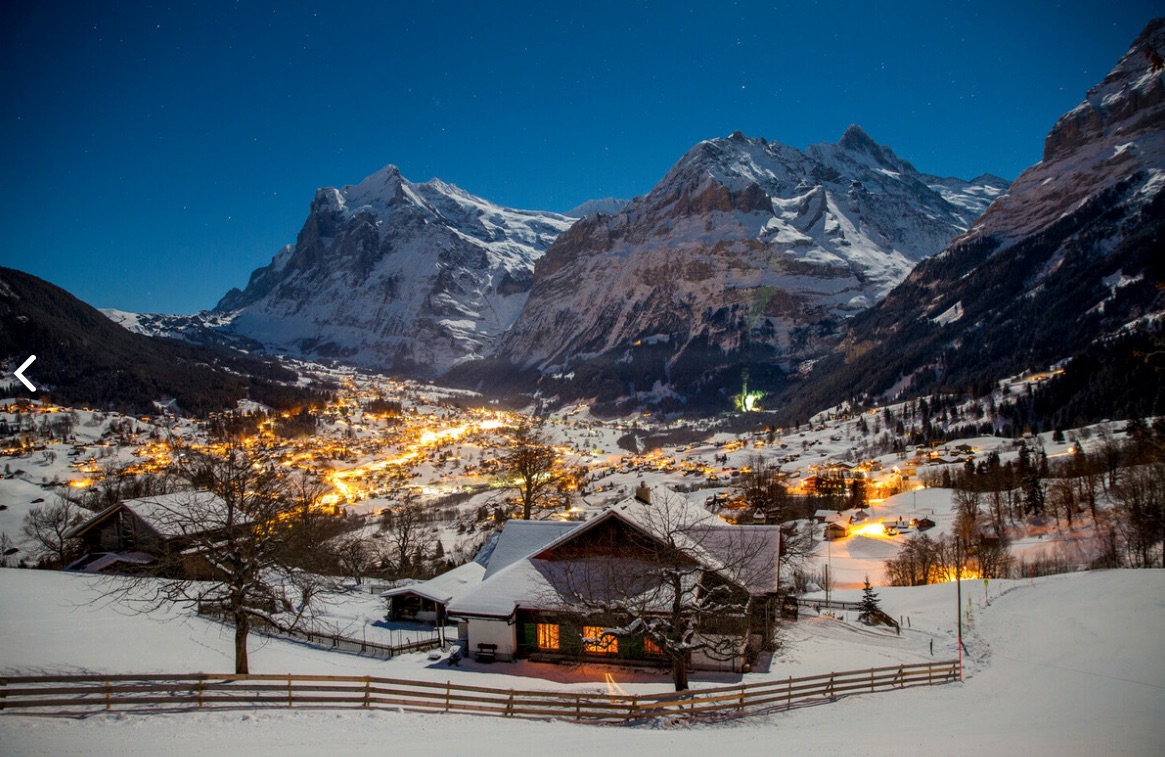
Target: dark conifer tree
pixel 869 605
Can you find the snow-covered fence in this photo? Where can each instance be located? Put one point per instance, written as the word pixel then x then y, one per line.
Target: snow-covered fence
pixel 75 695
pixel 833 604
pixel 423 642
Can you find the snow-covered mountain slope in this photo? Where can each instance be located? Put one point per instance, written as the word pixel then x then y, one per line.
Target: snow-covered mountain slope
pixel 1115 134
pixel 744 244
pixel 395 275
pixel 205 327
pixel 607 205
pixel 1070 256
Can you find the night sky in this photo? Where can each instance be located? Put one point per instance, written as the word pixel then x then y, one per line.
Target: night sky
pixel 155 154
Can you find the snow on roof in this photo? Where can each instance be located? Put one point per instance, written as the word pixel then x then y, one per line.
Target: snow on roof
pixel 514 578
pixel 179 513
pixel 113 558
pixel 176 514
pixel 446 587
pixel 498 595
pixel 746 554
pixel 522 538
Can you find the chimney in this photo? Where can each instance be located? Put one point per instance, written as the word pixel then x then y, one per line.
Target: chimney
pixel 643 494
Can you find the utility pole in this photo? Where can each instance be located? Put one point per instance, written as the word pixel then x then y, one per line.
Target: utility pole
pixel 828 567
pixel 959 597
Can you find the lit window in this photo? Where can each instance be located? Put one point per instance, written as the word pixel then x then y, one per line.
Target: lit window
pixel 596 642
pixel 547 636
pixel 651 648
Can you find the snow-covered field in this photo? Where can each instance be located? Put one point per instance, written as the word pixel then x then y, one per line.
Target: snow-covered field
pixel 1064 665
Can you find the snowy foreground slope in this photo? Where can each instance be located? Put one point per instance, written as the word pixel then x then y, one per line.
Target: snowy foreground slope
pixel 1065 665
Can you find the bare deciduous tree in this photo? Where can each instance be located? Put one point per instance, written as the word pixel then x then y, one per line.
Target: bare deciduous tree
pixel 6 546
pixel 531 462
pixel 403 525
pixel 48 527
pixel 356 557
pixel 232 530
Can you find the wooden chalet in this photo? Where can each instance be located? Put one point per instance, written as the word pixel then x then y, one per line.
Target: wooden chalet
pixel 545 584
pixel 150 535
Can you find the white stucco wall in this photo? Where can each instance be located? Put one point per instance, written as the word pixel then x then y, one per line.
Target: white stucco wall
pixel 485 631
pixel 701 661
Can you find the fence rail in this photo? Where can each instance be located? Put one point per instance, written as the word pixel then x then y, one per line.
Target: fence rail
pixel 335 641
pixel 81 694
pixel 835 604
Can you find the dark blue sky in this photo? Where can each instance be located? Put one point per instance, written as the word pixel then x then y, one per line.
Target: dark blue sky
pixel 154 154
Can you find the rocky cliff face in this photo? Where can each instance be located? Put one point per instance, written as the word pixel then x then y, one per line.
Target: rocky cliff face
pixel 394 275
pixel 1070 257
pixel 747 250
pixel 1113 135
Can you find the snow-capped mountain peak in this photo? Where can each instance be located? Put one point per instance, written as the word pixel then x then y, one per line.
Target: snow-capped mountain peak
pixel 396 274
pixel 745 243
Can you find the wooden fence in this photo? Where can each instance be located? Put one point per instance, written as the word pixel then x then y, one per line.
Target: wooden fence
pixel 82 694
pixel 834 604
pixel 423 642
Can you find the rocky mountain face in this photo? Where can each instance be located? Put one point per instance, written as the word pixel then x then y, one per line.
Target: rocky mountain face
pixel 399 276
pixel 1070 259
pixel 747 253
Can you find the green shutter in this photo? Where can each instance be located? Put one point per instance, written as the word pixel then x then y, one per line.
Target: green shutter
pixel 527 637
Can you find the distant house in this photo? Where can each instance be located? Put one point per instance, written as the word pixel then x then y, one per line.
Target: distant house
pixel 527 604
pixel 427 602
pixel 836 531
pixel 147 535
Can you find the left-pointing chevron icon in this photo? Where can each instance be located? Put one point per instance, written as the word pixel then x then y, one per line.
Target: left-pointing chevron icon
pixel 20 373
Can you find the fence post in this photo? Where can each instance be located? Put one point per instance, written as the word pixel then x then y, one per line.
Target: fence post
pixel 3 691
pixel 741 707
pixel 510 705
pixel 871 680
pixel 901 677
pixel 789 693
pixel 201 688
pixel 578 707
pixel 448 692
pixel 108 703
pixel 367 692
pixel 290 694
pixel 831 692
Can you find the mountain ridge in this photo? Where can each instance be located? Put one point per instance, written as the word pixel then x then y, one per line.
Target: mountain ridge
pixel 395 275
pixel 1069 260
pixel 744 246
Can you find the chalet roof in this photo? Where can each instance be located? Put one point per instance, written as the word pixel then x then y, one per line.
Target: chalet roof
pixel 168 515
pixel 522 538
pixel 110 559
pixel 446 587
pixel 528 581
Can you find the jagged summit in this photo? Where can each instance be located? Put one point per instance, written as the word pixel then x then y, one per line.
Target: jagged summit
pixel 745 245
pixel 396 275
pixel 856 140
pixel 1068 262
pixel 1116 133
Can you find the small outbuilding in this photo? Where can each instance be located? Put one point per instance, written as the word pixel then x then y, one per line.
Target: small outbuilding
pixel 428 601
